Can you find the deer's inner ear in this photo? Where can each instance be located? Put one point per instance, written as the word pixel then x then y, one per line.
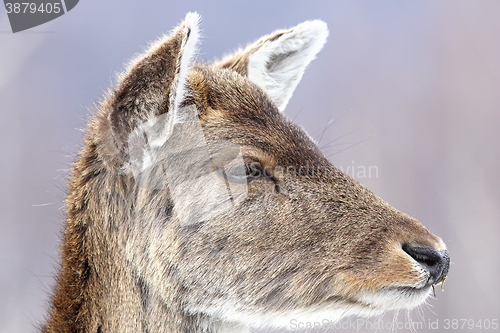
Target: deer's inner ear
pixel 153 84
pixel 277 62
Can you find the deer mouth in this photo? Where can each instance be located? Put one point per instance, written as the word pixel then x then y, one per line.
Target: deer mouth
pixel 414 295
pixel 390 298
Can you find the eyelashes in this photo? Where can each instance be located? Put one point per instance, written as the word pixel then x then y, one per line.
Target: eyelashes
pixel 247 173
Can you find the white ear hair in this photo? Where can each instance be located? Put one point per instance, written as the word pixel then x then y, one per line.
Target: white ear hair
pixel 188 51
pixel 158 128
pixel 278 65
pixel 191 34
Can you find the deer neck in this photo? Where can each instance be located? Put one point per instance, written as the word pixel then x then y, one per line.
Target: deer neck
pixel 98 288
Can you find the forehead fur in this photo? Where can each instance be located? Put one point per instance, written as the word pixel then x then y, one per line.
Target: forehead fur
pixel 229 104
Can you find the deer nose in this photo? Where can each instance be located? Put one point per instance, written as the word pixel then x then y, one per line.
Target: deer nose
pixel 436 262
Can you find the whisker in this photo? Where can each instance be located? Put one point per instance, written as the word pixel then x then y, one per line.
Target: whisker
pixel 328 124
pixel 338 138
pixel 353 145
pixel 394 321
pixel 300 110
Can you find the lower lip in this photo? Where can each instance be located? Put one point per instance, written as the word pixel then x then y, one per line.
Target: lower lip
pixel 412 290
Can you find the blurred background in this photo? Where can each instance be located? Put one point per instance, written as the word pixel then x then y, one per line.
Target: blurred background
pixel 408 88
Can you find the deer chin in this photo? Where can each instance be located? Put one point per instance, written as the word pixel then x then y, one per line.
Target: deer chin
pixel 326 313
pixel 367 304
pixel 392 298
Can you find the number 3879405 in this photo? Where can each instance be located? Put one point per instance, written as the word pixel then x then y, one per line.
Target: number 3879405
pixel 32 8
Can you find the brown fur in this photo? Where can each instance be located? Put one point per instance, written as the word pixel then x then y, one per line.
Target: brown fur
pixel 306 236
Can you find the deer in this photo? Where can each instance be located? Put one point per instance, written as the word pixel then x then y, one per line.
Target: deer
pixel 196 205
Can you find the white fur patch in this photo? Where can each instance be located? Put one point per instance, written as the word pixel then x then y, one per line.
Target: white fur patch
pixel 278 65
pixel 370 304
pixel 188 52
pixel 255 318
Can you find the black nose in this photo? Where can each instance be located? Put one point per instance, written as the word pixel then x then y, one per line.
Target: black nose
pixel 436 262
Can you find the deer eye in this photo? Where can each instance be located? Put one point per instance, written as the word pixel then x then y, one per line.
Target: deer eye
pixel 243 173
pixel 253 171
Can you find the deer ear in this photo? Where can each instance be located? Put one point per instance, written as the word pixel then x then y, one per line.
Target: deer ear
pixel 276 62
pixel 154 83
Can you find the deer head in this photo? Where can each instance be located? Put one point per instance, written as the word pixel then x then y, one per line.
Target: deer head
pixel 197 205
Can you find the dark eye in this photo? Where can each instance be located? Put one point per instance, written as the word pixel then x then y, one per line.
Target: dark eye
pixel 253 171
pixel 242 173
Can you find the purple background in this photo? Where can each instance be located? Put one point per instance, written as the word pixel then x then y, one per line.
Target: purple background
pixel 416 82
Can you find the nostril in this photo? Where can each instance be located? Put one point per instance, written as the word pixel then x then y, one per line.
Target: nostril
pixel 436 262
pixel 424 255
